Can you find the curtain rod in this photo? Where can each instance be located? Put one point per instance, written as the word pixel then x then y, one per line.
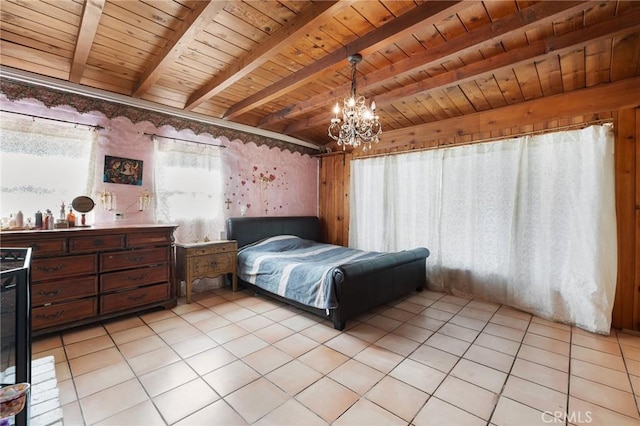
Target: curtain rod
pixel 153 135
pixel 453 145
pixel 95 126
pixel 98 127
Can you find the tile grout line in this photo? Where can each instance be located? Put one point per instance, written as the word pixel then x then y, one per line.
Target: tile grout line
pixel 515 357
pixel 626 367
pixel 566 420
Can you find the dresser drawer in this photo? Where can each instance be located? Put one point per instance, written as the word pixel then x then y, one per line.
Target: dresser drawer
pixel 149 238
pixel 130 299
pixel 212 264
pixel 46 247
pixel 132 258
pixel 134 278
pixel 96 243
pixel 61 313
pixel 55 291
pixel 59 267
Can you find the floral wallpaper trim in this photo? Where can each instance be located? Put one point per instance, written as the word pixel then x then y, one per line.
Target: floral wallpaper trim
pixel 52 98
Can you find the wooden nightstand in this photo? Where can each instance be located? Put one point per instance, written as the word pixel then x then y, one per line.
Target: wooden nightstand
pixel 210 259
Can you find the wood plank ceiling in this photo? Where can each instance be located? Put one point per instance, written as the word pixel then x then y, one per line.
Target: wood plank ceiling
pixel 281 65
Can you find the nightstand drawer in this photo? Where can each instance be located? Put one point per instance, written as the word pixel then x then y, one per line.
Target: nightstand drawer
pixel 212 264
pixel 213 249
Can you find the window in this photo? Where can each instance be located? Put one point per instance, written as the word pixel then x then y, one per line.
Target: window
pixel 529 222
pixel 43 164
pixel 188 180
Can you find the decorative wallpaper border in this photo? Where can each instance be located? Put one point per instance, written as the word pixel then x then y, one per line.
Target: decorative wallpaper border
pixel 15 91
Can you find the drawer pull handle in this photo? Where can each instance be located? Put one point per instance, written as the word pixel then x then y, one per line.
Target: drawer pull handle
pixel 50 293
pixel 136 298
pixel 135 258
pixel 98 242
pixel 138 278
pixel 214 264
pixel 51 316
pixel 52 268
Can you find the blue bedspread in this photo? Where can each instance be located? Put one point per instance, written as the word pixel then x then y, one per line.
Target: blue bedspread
pixel 298 269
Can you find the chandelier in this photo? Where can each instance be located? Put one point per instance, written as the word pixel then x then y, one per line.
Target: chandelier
pixel 359 125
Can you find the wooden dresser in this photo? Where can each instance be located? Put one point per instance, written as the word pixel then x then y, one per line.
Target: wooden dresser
pixel 83 275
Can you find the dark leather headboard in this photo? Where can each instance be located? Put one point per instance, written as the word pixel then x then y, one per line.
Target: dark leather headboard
pixel 247 230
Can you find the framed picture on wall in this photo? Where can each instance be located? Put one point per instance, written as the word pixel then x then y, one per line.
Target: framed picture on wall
pixel 122 170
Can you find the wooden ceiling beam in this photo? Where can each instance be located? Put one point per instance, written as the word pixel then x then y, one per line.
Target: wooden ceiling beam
pixel 201 15
pixel 599 99
pixel 308 18
pixel 478 39
pixel 374 40
pixel 86 34
pixel 536 51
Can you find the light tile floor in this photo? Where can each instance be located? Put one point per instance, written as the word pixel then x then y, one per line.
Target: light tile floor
pixel 429 358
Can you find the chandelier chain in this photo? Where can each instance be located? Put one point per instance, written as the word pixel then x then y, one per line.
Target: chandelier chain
pixel 353 79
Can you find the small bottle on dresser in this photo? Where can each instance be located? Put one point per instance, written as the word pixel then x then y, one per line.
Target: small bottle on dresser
pixel 48 220
pixel 19 219
pixel 71 218
pixel 39 220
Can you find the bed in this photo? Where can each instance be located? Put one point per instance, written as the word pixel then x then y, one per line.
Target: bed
pixel 354 287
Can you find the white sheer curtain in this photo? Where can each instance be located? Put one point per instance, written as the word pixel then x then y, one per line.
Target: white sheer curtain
pixel 188 188
pixel 44 164
pixel 528 222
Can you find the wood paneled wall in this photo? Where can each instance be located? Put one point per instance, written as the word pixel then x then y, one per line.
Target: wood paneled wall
pixel 334 195
pixel 626 312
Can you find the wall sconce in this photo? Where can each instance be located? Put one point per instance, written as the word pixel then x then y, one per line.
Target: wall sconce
pixel 144 200
pixel 108 200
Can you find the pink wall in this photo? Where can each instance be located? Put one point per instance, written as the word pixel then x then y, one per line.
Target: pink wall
pixel 269 182
pixel 292 187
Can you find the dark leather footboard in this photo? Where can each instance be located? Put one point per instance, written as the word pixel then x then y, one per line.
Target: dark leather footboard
pixel 360 286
